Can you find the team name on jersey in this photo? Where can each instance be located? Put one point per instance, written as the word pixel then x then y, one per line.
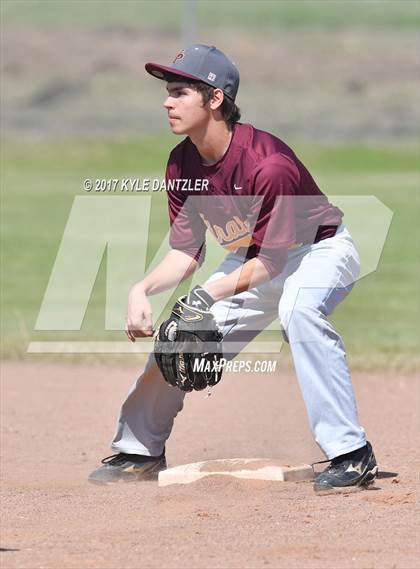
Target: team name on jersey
pixel 236 232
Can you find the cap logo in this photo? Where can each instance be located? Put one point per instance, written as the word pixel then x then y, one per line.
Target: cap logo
pixel 179 56
pixel 211 76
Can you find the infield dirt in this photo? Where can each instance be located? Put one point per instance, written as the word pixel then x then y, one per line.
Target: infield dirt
pixel 57 422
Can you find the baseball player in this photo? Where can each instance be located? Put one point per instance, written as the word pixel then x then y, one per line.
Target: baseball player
pixel 289 256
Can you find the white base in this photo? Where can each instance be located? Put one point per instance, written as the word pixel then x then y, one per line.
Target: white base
pixel 249 468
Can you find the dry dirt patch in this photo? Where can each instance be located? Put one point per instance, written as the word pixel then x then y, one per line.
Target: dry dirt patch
pixel 57 421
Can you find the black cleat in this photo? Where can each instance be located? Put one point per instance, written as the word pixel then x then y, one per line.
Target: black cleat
pixel 348 472
pixel 128 468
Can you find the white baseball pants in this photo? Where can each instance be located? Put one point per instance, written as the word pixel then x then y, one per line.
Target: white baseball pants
pixel 315 279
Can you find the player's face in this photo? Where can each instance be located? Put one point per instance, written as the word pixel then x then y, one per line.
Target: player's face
pixel 186 113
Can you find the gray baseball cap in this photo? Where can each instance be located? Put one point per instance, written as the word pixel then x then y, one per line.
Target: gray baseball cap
pixel 203 63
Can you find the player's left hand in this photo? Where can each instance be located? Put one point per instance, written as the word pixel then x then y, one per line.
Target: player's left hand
pixel 188 346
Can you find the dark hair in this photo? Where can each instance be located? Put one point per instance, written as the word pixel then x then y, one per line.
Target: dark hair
pixel 230 112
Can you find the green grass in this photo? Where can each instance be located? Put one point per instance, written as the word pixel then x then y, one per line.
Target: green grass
pixel 167 14
pixel 379 320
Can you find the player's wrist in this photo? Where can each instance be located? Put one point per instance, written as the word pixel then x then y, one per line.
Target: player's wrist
pixel 139 288
pixel 200 298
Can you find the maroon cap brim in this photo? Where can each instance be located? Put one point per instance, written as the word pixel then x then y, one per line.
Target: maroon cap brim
pixel 165 73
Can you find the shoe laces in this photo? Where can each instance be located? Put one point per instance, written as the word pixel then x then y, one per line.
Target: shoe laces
pixel 121 457
pixel 338 465
pixel 335 465
pixel 115 459
pixel 342 462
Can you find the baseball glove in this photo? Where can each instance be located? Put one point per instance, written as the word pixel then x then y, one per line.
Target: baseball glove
pixel 188 346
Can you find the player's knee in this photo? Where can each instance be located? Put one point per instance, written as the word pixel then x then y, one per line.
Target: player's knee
pixel 288 311
pixel 297 320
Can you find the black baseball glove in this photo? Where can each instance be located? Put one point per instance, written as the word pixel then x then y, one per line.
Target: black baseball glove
pixel 188 346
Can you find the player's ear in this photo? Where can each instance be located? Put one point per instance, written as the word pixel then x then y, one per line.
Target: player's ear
pixel 216 99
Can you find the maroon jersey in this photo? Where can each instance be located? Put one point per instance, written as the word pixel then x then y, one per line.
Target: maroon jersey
pixel 259 199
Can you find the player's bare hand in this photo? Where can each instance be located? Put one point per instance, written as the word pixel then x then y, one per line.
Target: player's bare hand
pixel 139 323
